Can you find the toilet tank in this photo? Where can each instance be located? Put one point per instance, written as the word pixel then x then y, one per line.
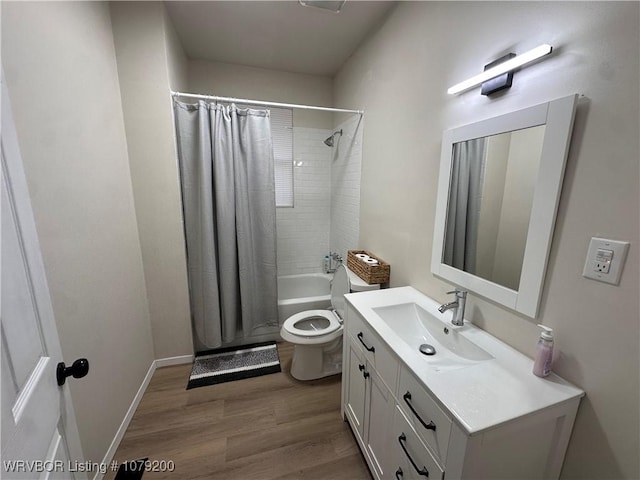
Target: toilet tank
pixel 358 284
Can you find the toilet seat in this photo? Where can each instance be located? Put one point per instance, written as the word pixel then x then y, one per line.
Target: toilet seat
pixel 319 327
pixel 293 323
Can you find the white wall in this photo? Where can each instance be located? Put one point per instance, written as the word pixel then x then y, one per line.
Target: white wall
pixel 400 76
pixel 346 167
pixel 177 62
pixel 239 81
pixel 60 68
pixel 303 231
pixel 149 60
pixel 326 209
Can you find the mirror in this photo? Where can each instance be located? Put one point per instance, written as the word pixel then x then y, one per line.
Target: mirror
pixel 498 190
pixel 492 180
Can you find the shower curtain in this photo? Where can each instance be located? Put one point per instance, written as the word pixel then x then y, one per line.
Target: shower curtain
pixel 228 194
pixel 465 198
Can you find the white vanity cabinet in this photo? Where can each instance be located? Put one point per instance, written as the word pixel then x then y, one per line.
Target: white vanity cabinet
pixel 412 423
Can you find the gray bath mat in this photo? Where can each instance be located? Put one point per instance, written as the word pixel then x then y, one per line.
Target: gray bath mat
pixel 234 363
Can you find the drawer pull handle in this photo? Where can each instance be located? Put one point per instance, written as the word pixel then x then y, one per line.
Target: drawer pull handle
pixel 424 472
pixel 428 426
pixel 399 474
pixel 365 374
pixel 370 349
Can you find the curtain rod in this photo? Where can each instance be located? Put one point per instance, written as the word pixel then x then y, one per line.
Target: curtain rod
pixel 258 102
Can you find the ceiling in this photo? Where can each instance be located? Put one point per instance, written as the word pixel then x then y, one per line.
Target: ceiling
pixel 278 35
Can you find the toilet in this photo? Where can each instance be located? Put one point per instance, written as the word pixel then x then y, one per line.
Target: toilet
pixel 317 334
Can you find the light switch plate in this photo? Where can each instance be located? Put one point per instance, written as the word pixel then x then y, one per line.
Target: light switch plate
pixel 605 260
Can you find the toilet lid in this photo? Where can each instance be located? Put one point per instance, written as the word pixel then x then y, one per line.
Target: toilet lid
pixel 340 286
pixel 311 323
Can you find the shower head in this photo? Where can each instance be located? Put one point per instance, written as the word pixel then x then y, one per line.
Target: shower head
pixel 329 141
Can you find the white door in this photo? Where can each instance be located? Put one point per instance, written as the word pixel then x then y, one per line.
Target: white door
pixel 39 432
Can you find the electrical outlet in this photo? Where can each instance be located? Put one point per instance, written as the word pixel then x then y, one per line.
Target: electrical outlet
pixel 605 260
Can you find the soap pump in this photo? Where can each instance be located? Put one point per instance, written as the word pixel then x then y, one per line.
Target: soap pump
pixel 544 352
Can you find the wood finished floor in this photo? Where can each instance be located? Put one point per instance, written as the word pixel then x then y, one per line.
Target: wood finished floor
pixel 263 428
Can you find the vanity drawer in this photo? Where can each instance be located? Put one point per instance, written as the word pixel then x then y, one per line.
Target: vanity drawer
pixel 410 458
pixel 432 425
pixel 376 352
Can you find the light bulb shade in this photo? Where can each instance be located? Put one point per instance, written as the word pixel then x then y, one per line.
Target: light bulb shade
pixel 332 5
pixel 502 68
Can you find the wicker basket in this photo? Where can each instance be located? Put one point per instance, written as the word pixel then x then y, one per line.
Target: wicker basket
pixel 369 273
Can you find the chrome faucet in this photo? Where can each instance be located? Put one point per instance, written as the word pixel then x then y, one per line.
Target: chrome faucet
pixel 334 260
pixel 458 306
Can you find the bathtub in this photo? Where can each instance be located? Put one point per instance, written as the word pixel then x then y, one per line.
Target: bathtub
pixel 297 293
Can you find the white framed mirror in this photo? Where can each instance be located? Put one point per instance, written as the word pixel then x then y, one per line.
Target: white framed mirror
pixel 498 192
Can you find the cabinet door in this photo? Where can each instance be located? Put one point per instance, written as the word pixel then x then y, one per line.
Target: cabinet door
pixel 379 416
pixel 356 390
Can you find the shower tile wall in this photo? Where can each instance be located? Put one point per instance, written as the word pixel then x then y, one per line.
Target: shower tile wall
pixel 345 186
pixel 303 231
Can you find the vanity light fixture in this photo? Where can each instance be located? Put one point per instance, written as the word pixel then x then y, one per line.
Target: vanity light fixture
pixel 500 69
pixel 331 5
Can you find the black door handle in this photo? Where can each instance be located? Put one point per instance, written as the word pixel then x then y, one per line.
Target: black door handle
pixel 370 349
pixel 428 426
pixel 399 474
pixel 79 369
pixel 421 471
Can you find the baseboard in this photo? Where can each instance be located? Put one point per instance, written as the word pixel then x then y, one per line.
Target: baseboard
pixel 126 420
pixel 264 337
pixel 168 362
pixel 162 362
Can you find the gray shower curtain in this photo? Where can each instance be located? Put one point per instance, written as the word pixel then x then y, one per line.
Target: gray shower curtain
pixel 465 198
pixel 228 195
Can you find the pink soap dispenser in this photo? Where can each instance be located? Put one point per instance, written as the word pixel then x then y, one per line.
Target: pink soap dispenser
pixel 544 352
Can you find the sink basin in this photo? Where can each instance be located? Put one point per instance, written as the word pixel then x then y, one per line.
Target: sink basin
pixel 416 326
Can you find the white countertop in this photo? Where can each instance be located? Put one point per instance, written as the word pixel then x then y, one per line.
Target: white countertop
pixel 480 396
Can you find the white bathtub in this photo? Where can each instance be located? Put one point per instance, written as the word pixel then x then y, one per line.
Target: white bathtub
pixel 297 293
